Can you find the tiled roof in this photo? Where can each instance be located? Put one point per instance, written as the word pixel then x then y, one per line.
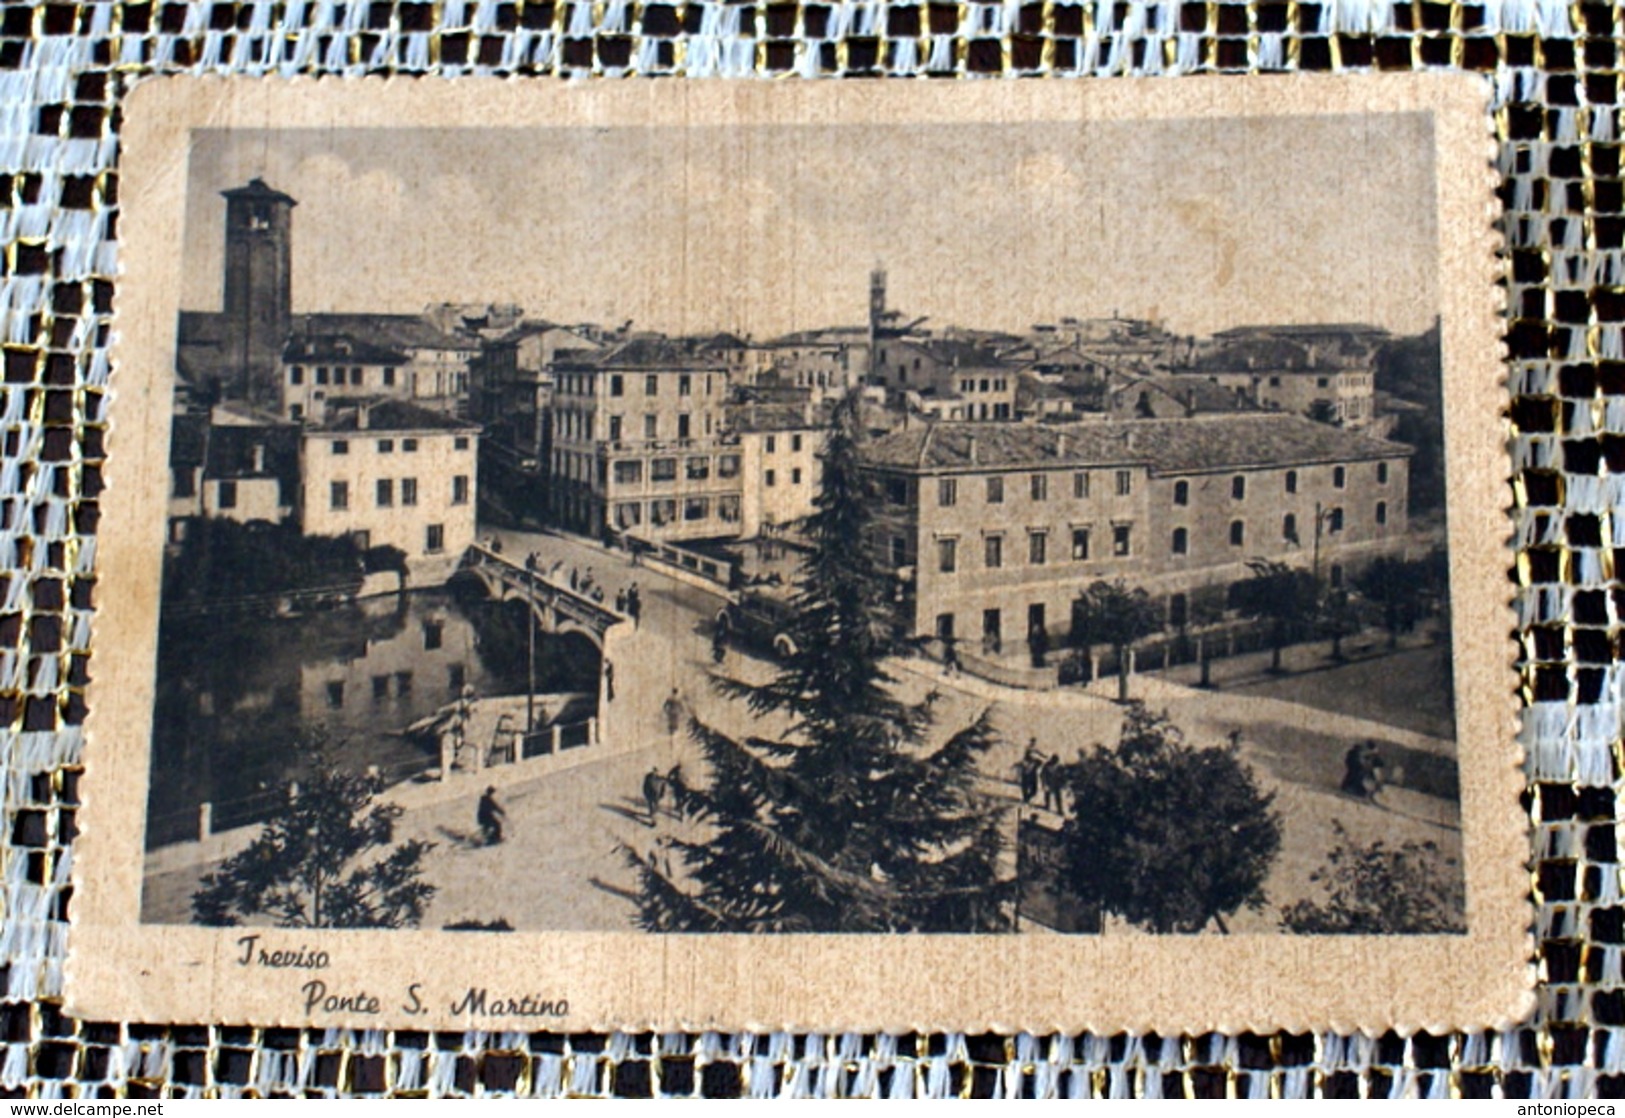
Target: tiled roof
pixel 651 352
pixel 1311 330
pixel 773 417
pixel 826 335
pixel 384 414
pixel 1197 393
pixel 1166 446
pixel 187 439
pixel 257 188
pixel 963 354
pixel 391 331
pixel 237 451
pixel 313 349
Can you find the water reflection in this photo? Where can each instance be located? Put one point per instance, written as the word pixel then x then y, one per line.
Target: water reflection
pixel 234 696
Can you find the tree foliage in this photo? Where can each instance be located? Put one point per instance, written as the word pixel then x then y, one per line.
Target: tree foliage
pixel 1378 889
pixel 326 859
pixel 1169 836
pixel 1399 591
pixel 225 559
pixel 1111 613
pixel 1285 598
pixel 849 822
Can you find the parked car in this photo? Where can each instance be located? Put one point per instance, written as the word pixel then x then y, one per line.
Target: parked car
pixel 760 617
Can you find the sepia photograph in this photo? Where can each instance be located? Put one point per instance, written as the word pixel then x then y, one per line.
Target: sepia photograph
pixel 782 523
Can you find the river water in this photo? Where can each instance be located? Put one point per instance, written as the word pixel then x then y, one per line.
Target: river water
pixel 238 698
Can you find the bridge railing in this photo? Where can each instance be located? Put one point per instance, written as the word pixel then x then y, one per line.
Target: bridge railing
pixel 572 603
pixel 678 558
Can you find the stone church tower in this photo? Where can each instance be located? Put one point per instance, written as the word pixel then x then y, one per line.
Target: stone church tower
pixel 258 290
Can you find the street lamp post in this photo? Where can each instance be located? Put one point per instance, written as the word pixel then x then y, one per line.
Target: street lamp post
pixel 1319 519
pixel 530 633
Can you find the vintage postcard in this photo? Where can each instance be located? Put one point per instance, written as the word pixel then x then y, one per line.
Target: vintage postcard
pixel 827 556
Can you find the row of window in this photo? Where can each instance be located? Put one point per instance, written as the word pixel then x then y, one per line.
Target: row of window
pixel 336 374
pixel 387 446
pixel 1038 487
pixel 1038 549
pixel 1178 607
pixel 666 510
pixel 396 684
pixel 629 471
pixel 581 384
pixel 574 425
pixel 385 491
pixel 1332 524
pixel 968 385
pixel 1289 481
pixel 993 549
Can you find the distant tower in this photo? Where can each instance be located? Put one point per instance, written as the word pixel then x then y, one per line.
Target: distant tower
pixel 877 319
pixel 877 297
pixel 258 290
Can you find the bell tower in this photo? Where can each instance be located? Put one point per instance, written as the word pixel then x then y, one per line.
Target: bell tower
pixel 258 290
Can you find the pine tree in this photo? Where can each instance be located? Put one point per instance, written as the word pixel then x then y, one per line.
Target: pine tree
pixel 849 822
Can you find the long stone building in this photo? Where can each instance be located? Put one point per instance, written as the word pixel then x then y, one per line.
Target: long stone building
pixel 993 530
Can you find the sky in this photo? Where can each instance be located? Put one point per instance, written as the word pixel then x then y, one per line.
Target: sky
pixel 1204 224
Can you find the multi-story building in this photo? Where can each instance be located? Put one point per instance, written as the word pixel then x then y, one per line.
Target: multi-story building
pixel 826 362
pixel 995 530
pixel 436 372
pixel 640 443
pixel 946 379
pixel 1327 373
pixel 779 445
pixel 231 463
pixel 511 392
pixel 1165 397
pixel 317 370
pixel 388 472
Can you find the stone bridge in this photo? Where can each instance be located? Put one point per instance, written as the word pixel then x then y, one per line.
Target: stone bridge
pixel 558 609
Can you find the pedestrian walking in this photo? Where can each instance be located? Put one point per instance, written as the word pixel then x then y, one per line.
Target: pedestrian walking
pixel 609 681
pixel 719 642
pixel 620 601
pixel 672 708
pixel 678 789
pixel 490 816
pixel 1054 780
pixel 634 603
pixel 575 579
pixel 654 790
pixel 1027 772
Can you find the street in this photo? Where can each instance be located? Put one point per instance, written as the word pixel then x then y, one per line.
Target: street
pixel 559 867
pixel 563 830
